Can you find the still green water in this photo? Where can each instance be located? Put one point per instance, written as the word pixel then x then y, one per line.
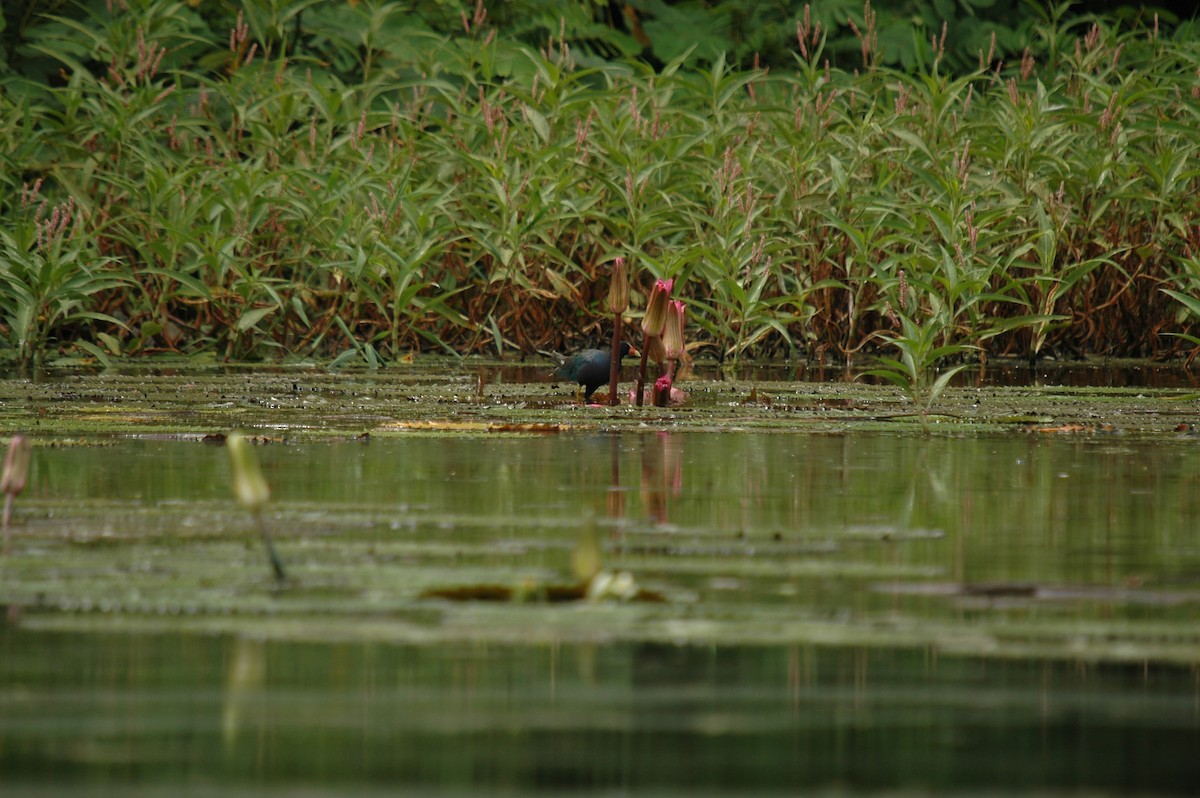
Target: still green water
pixel 184 715
pixel 843 613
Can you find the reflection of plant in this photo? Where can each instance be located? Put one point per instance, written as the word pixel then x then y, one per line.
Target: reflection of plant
pixel 924 340
pixel 14 476
pixel 661 475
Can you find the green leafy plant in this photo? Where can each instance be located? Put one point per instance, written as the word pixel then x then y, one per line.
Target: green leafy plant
pixel 923 340
pixel 47 275
pixel 353 183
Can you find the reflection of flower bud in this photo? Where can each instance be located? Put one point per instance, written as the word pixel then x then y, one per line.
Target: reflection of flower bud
pixel 673 332
pixel 656 308
pixel 249 484
pixel 16 466
pixel 618 288
pixel 586 558
pixel 616 501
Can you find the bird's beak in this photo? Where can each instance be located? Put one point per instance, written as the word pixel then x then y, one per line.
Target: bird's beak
pixel 633 351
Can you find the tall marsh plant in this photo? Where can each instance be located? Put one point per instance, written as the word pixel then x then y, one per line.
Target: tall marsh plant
pixel 340 181
pixel 922 339
pixel 48 274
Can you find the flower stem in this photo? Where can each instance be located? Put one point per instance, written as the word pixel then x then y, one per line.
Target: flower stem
pixel 614 365
pixel 641 382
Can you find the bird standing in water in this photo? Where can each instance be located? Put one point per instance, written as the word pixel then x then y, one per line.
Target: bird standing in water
pixel 589 368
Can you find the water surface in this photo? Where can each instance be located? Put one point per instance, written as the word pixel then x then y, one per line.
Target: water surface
pixel 843 613
pixel 136 715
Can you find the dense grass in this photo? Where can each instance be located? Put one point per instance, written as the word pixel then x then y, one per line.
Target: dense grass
pixel 171 193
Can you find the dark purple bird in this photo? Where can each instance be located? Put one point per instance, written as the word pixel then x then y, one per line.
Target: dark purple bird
pixel 589 368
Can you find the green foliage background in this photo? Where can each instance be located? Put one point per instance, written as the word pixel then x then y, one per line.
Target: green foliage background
pixel 355 180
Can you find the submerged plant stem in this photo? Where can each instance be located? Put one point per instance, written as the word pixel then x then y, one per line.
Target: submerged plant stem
pixel 272 554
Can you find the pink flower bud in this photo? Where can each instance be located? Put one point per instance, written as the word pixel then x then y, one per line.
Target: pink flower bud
pixel 673 332
pixel 618 288
pixel 656 308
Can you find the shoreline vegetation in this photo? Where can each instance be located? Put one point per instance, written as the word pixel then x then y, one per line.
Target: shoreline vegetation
pixel 171 189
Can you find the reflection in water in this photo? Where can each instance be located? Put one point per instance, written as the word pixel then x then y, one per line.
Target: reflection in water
pixel 817 533
pixel 243 688
pixel 134 714
pixel 616 492
pixel 1095 510
pixel 662 473
pixel 660 460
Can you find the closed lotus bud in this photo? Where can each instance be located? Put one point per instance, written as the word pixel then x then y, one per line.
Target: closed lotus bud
pixel 673 332
pixel 249 484
pixel 656 308
pixel 618 288
pixel 16 466
pixel 655 351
